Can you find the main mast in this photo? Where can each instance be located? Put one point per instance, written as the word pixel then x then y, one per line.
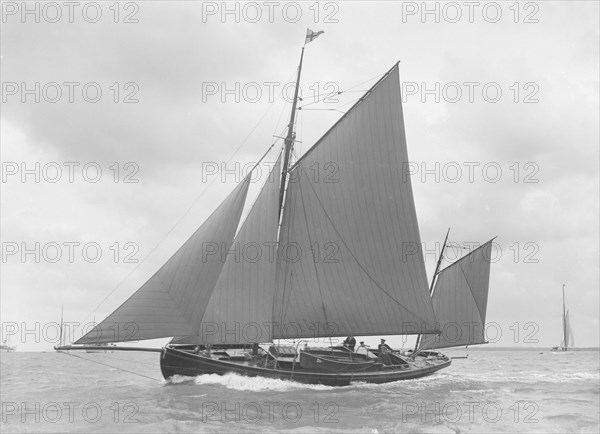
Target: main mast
pixel 290 138
pixel 434 278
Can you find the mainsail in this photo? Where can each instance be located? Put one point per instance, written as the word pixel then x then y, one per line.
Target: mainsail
pixel 173 300
pixel 350 259
pixel 460 301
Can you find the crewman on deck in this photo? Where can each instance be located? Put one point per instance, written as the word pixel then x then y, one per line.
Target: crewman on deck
pixel 384 353
pixel 350 343
pixel 363 349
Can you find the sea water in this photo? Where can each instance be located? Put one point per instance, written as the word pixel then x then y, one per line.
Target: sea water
pixel 490 391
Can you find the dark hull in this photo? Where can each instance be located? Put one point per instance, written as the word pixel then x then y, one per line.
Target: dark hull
pixel 177 362
pixel 332 364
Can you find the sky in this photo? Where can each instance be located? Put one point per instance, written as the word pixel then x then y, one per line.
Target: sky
pixel 115 119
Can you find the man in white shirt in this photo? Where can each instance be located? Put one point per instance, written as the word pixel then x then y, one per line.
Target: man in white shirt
pixel 363 349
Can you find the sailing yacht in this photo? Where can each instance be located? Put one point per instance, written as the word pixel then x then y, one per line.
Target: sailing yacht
pixel 5 347
pixel 226 315
pixel 567 339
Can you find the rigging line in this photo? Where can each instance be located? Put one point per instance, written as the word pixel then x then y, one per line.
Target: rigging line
pixel 356 259
pixel 467 255
pixel 283 107
pixel 285 303
pixel 110 366
pixel 348 103
pixel 286 210
pixel 350 88
pixel 363 82
pixel 359 101
pixel 280 116
pixel 301 134
pixel 126 360
pixel 281 293
pixel 313 253
pixel 241 223
pixel 186 212
pixel 317 98
pixel 326 110
pixel 330 95
pixel 284 283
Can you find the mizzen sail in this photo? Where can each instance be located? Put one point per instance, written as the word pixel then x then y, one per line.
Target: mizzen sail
pixel 460 301
pixel 350 259
pixel 172 302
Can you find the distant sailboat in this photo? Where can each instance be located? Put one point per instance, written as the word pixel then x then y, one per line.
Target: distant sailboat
pixel 100 348
pixel 5 347
pixel 227 315
pixel 568 340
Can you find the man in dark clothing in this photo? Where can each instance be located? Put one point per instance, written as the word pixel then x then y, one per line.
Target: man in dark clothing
pixel 350 343
pixel 384 353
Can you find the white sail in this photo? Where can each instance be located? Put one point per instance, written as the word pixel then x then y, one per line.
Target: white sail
pixel 460 301
pixel 350 259
pixel 172 302
pixel 240 308
pixel 568 340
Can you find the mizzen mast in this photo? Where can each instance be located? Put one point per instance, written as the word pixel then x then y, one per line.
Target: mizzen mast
pixel 433 279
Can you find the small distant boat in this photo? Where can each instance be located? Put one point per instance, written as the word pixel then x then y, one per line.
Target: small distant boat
pixel 6 348
pixel 460 357
pixel 466 356
pixel 568 339
pixel 103 347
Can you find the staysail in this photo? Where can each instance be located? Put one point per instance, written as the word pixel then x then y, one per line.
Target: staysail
pixel 460 301
pixel 350 259
pixel 240 308
pixel 173 300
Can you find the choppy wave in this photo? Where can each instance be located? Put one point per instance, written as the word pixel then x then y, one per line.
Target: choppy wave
pixel 544 394
pixel 529 377
pixel 240 382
